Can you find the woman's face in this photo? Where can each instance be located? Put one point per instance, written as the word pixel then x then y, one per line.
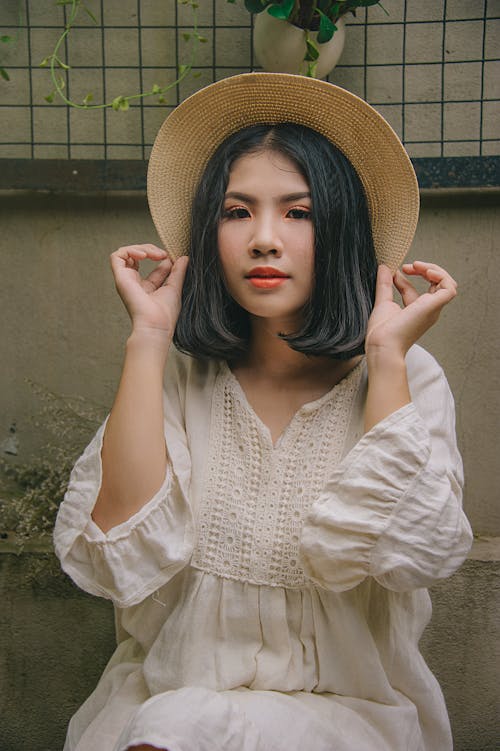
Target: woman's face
pixel 266 238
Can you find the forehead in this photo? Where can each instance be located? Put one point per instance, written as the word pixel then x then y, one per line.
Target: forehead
pixel 265 164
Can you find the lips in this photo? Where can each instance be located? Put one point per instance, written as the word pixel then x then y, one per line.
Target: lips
pixel 266 272
pixel 266 277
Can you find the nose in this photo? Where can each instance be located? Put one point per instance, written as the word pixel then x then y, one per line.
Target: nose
pixel 265 239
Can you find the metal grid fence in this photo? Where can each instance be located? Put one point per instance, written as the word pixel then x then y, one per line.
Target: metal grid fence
pixel 431 68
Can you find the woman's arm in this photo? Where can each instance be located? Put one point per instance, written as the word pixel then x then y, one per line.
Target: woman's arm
pixel 392 330
pixel 134 452
pixel 392 509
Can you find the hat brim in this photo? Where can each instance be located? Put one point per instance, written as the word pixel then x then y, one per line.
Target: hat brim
pixel 193 131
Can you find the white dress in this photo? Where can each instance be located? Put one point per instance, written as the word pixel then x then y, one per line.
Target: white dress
pixel 271 597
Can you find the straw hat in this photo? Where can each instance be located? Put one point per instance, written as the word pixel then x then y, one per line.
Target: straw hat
pixel 193 131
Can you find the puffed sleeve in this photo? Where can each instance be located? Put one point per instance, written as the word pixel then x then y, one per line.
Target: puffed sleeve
pixel 135 558
pixel 392 509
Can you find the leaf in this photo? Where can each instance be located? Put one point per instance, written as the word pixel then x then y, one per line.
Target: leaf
pixel 363 3
pixel 326 28
pixel 89 98
pixel 44 62
pixel 182 70
pixel 186 36
pixel 201 39
pixel 6 39
pixel 90 14
pixel 156 89
pixel 49 98
pixel 62 64
pixel 4 74
pixel 256 6
pixel 162 100
pixel 312 53
pixel 283 10
pixel 116 103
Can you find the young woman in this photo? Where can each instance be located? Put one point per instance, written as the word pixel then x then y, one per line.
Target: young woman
pixel 267 500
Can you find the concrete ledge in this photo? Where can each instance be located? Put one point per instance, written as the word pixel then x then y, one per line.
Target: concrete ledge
pixel 55 641
pixel 485 549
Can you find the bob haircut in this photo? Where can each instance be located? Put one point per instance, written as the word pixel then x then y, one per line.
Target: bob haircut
pixel 212 325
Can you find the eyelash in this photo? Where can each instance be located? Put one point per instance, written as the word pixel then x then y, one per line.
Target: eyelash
pixel 305 213
pixel 232 213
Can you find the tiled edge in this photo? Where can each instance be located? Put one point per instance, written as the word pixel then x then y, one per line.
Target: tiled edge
pixel 81 175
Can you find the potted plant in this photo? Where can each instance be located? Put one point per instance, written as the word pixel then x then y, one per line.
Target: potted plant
pixel 301 36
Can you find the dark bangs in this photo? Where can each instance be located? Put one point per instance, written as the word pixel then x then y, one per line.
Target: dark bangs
pixel 212 325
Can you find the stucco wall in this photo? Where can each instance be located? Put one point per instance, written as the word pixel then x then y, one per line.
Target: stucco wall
pixel 64 326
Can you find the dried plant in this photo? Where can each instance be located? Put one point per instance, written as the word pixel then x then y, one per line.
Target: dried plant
pixel 31 492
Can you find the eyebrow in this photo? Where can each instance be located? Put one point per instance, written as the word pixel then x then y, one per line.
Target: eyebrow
pixel 282 199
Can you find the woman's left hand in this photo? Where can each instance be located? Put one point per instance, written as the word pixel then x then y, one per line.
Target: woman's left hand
pixel 394 328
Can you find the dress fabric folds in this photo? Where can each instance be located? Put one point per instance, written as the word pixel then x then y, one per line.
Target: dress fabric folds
pixel 271 596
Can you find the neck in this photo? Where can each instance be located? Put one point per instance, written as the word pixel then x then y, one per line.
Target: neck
pixel 269 357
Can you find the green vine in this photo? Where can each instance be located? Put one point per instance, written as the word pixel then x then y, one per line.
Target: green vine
pixel 10 40
pixel 55 63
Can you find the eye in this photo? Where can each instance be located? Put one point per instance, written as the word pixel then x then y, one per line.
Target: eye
pixel 236 212
pixel 298 213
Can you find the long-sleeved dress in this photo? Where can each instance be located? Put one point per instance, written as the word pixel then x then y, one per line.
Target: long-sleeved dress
pixel 271 597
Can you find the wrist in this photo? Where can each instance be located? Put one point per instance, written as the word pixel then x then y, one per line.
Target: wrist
pixel 388 388
pixel 149 340
pixel 386 359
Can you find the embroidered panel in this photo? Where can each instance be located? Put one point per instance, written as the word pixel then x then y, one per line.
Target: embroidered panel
pixel 256 494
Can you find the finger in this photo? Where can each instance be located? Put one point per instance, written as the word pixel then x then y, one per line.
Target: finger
pixel 383 289
pixel 158 275
pixel 430 271
pixel 405 288
pixel 129 257
pixel 440 278
pixel 136 253
pixel 177 275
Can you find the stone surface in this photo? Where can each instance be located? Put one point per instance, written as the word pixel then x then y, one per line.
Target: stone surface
pixel 55 642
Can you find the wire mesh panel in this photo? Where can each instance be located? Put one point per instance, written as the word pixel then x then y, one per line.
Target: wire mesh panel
pixel 432 68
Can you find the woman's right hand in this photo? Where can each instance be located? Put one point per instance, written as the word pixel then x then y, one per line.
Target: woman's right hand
pixel 153 303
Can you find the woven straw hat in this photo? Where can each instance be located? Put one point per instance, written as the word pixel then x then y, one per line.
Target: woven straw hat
pixel 193 131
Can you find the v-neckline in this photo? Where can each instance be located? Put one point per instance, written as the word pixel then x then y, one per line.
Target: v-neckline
pixel 307 407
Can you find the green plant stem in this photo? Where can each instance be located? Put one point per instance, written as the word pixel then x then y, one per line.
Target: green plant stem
pixel 120 102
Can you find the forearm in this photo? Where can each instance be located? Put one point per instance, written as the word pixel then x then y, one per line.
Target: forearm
pixel 388 388
pixel 134 452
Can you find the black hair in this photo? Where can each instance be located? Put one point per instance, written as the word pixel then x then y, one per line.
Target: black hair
pixel 212 325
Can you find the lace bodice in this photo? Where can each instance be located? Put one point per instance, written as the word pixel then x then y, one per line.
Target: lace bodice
pixel 256 493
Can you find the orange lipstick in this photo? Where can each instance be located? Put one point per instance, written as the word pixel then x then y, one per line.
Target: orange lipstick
pixel 266 277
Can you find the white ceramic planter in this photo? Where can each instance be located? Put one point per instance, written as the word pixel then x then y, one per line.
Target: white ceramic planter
pixel 280 47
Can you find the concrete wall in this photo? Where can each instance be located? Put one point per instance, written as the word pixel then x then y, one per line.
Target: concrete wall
pixel 64 328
